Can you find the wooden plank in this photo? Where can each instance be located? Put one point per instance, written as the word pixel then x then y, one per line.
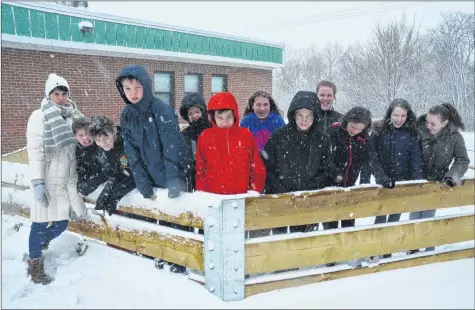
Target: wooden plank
pixel 179 250
pixel 336 247
pixel 186 218
pixel 20 157
pixel 253 289
pixel 175 249
pixel 270 211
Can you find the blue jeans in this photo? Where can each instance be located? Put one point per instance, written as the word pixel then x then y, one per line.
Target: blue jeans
pixel 41 233
pixel 423 215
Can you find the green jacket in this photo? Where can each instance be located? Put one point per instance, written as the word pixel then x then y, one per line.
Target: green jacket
pixel 439 150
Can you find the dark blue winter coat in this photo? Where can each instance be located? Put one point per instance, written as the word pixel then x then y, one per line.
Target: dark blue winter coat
pixel 154 145
pixel 399 154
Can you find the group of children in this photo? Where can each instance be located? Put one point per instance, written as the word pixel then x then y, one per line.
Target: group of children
pixel 218 153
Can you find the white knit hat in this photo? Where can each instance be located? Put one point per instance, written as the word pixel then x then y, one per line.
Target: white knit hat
pixel 54 81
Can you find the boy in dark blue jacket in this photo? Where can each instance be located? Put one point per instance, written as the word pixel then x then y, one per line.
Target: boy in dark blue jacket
pixel 153 142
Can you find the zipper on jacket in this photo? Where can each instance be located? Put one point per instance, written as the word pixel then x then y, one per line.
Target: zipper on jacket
pixel 349 164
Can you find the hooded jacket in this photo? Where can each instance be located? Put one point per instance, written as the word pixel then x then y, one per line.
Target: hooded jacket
pixel 227 159
pixel 154 145
pixel 439 150
pixel 262 129
pixel 326 118
pixel 352 153
pixel 297 160
pixel 192 132
pixel 398 152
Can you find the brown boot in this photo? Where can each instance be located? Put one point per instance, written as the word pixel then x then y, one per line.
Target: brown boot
pixel 36 269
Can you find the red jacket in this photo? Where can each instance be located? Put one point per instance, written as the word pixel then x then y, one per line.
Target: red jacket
pixel 227 160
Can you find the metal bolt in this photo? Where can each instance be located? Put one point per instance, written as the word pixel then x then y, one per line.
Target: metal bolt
pixel 210 224
pixel 236 250
pixel 236 268
pixel 235 291
pixel 235 224
pixel 211 266
pixel 235 205
pixel 211 289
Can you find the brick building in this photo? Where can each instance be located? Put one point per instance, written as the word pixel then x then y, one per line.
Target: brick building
pixel 40 38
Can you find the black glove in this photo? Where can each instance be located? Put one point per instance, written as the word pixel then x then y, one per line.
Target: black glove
pixel 389 184
pixel 450 182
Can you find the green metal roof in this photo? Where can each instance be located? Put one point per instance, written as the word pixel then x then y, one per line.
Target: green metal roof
pixel 28 22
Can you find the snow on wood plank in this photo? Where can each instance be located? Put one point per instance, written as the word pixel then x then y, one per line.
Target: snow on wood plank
pixel 269 211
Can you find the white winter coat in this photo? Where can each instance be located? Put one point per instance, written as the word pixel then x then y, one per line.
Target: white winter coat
pixel 59 172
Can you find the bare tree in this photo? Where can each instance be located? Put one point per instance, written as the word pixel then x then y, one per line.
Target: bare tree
pixel 373 75
pixel 332 55
pixel 314 67
pixel 452 46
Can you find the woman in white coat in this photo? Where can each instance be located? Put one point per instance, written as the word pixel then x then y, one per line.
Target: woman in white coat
pixel 51 149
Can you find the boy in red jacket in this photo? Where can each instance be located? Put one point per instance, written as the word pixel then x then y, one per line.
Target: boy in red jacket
pixel 227 158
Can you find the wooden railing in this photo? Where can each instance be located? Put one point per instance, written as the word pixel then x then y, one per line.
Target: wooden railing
pixel 222 257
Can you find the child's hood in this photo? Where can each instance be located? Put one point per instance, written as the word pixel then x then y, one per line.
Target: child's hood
pixel 191 100
pixel 302 99
pixel 141 75
pixel 223 101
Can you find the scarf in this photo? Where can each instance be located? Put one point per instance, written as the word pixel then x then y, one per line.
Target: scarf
pixel 57 131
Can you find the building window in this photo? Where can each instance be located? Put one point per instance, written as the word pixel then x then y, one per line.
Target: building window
pixel 219 83
pixel 163 87
pixel 193 83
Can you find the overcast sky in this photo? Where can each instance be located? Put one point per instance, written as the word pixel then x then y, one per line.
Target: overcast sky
pixel 295 24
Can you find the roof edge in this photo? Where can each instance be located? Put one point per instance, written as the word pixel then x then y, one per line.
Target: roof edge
pixel 84 13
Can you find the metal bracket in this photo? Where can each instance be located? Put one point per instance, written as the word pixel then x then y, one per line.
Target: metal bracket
pixel 224 249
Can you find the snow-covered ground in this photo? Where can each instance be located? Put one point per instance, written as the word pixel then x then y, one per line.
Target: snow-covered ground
pixel 108 278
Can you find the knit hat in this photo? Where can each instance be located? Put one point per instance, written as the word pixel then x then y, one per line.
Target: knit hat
pixel 54 81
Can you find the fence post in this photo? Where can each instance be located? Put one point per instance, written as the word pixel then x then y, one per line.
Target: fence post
pixel 224 249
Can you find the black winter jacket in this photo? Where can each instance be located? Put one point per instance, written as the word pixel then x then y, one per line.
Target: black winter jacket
pixel 351 154
pixel 89 170
pixel 116 169
pixel 326 118
pixel 192 132
pixel 398 153
pixel 295 160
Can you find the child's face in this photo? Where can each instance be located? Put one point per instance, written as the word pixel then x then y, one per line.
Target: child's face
pixel 261 107
pixel 326 97
pixel 434 123
pixel 83 138
pixel 106 142
pixel 355 128
pixel 398 117
pixel 304 119
pixel 224 119
pixel 133 90
pixel 194 113
pixel 59 96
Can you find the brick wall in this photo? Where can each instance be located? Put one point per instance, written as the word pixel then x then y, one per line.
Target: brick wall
pixel 92 83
